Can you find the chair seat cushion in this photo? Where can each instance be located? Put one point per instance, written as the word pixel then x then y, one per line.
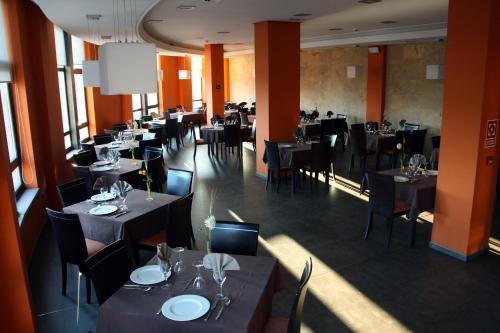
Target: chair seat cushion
pixel 93 246
pixel 276 325
pixel 153 240
pixel 401 207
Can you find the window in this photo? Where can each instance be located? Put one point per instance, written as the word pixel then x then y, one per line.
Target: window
pixel 70 56
pixel 144 104
pixel 10 132
pixel 196 77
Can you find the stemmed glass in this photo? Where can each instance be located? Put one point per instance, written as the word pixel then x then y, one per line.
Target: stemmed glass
pixel 219 278
pixel 179 266
pixel 199 281
pixel 165 268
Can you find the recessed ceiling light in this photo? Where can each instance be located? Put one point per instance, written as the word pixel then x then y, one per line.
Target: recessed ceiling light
pixel 302 14
pixel 335 29
pixel 222 32
pixel 186 7
pixel 388 22
pixel 369 2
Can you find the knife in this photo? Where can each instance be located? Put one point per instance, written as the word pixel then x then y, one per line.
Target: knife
pixel 212 308
pixel 122 213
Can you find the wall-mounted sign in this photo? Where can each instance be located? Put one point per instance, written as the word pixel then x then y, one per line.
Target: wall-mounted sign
pixel 491 133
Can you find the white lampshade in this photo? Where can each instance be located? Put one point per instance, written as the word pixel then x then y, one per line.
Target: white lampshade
pixel 128 68
pixel 91 74
pixel 184 74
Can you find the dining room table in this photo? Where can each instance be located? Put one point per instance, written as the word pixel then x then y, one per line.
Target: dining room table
pixel 143 217
pixel 214 135
pixel 250 290
pixel 115 145
pixel 125 169
pixel 419 192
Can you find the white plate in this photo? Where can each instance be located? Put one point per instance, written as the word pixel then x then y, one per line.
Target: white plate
pixel 432 172
pixel 400 179
pixel 116 143
pixel 146 275
pixel 106 196
pixel 103 210
pixel 103 168
pixel 100 163
pixel 185 307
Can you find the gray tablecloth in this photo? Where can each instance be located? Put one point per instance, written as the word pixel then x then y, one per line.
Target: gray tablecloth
pixel 251 291
pixel 294 154
pixel 311 128
pixel 127 170
pixel 146 218
pixel 378 142
pixel 421 194
pixel 216 134
pixel 119 147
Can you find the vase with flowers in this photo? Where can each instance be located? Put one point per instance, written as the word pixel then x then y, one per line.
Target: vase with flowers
pixel 209 222
pixel 147 179
pixel 402 156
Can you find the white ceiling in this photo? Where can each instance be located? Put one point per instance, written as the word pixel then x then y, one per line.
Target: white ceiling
pixel 177 31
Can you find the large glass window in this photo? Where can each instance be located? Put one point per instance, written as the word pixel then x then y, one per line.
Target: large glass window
pixel 70 56
pixel 10 133
pixel 196 77
pixel 144 104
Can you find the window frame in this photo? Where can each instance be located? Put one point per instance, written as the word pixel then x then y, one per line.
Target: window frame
pixel 145 107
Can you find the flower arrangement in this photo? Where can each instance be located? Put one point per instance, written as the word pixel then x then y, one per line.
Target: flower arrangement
pixel 402 156
pixel 299 134
pixel 147 179
pixel 209 222
pixel 402 123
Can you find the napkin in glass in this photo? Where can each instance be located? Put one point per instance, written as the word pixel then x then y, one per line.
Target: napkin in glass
pixel 104 182
pixel 122 187
pixel 219 262
pixel 163 251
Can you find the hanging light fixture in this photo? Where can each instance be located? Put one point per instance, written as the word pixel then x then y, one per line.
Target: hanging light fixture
pixel 184 74
pixel 90 68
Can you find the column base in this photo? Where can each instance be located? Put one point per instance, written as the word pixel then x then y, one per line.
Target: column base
pixel 457 255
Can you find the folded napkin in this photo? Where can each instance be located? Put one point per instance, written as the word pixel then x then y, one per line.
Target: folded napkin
pixel 103 182
pixel 122 187
pixel 114 154
pixel 103 153
pixel 163 251
pixel 219 262
pixel 418 160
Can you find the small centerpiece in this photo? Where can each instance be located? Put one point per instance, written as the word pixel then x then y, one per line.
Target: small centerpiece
pixel 402 156
pixel 209 222
pixel 147 179
pixel 299 134
pixel 130 124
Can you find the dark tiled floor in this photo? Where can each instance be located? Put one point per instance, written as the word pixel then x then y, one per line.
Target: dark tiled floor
pixel 357 286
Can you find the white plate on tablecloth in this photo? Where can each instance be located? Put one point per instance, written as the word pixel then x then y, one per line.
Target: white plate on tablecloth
pixel 101 197
pixel 401 179
pixel 117 143
pixel 100 163
pixel 432 172
pixel 146 275
pixel 103 168
pixel 103 210
pixel 185 307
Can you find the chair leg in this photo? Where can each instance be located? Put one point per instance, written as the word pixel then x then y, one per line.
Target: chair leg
pixel 327 179
pixel 268 178
pixel 79 275
pixel 194 154
pixel 369 225
pixel 64 270
pixel 89 289
pixel 389 231
pixel 351 162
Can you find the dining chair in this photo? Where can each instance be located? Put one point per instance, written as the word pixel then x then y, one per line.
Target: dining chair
pixel 292 324
pixel 147 118
pixel 418 141
pixel 274 163
pixel 179 182
pixel 341 116
pixel 436 141
pixel 84 172
pixel 119 127
pixel 103 139
pixel 84 158
pixel 155 143
pixel 383 202
pixel 320 162
pixel 357 137
pixel 154 152
pixel 244 118
pixel 73 192
pixel 340 128
pixel 157 129
pixel 252 109
pixel 172 110
pixel 109 269
pixel 253 135
pixel 156 172
pixel 232 138
pixel 327 127
pixel 199 142
pixel 411 127
pixel 235 238
pixel 372 126
pixel 358 126
pixel 171 131
pixel 74 248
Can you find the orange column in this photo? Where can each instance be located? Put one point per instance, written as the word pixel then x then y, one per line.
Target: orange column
pixel 227 91
pixel 185 86
pixel 375 85
pixel 169 96
pixel 214 62
pixel 467 167
pixel 277 83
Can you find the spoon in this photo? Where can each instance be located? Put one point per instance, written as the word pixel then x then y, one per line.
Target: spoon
pixel 226 303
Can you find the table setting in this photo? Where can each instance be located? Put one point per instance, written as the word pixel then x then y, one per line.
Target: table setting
pixel 192 291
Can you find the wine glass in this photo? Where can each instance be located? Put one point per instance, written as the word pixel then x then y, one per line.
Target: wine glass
pixel 199 281
pixel 165 268
pixel 179 266
pixel 220 278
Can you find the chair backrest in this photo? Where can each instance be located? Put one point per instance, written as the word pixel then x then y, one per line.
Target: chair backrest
pixel 156 172
pixel 358 126
pixel 147 118
pixel 156 143
pixel 154 152
pixel 69 236
pixel 171 128
pixel 411 127
pixel 340 126
pixel 372 126
pixel 109 269
pixel 327 127
pixel 119 127
pixel 73 192
pixel 436 141
pixel 418 141
pixel 232 135
pixel 110 132
pixel 157 129
pixel 179 182
pixel 235 238
pixel 84 172
pixel 172 110
pixel 166 115
pixel 300 296
pixel 272 155
pixel 382 193
pixel 102 139
pixel 342 116
pixel 179 224
pixel 244 118
pixel 358 140
pixel 320 156
pixel 84 158
pixel 254 128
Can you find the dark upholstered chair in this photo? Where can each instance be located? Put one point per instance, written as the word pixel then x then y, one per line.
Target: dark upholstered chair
pixel 383 202
pixel 292 325
pixel 358 126
pixel 235 238
pixel 103 139
pixel 119 127
pixel 320 161
pixel 73 192
pixel 232 139
pixel 84 158
pixel 109 269
pixel 357 138
pixel 171 132
pixel 274 163
pixel 179 182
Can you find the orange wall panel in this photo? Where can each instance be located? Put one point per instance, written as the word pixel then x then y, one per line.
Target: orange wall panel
pixel 227 85
pixel 214 71
pixel 375 85
pixel 170 84
pixel 185 86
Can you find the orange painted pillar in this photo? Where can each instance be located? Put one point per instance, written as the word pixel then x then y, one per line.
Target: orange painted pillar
pixel 277 83
pixel 466 182
pixel 169 96
pixel 185 86
pixel 375 85
pixel 214 62
pixel 227 88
